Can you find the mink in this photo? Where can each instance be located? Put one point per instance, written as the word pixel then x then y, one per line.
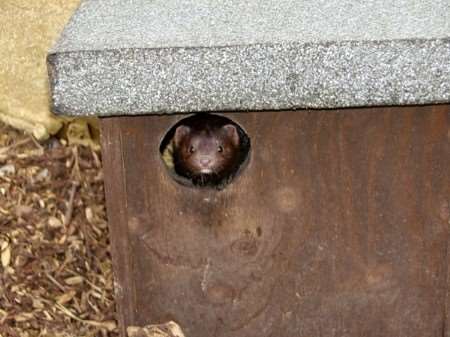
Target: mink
pixel 206 149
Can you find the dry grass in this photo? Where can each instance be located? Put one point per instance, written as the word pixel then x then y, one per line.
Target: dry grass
pixel 55 268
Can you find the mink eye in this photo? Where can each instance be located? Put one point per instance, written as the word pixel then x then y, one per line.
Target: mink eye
pixel 191 149
pixel 220 149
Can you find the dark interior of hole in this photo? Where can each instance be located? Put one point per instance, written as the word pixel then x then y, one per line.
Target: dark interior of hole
pixel 215 181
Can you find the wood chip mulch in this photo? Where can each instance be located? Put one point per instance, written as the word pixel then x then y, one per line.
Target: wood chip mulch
pixel 55 265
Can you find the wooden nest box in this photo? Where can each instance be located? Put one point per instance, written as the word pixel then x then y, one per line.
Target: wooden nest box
pixel 337 224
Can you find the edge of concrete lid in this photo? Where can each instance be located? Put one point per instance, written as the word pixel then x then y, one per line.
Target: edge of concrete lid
pixel 111 76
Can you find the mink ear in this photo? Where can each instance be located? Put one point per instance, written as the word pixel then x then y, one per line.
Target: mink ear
pixel 180 133
pixel 232 132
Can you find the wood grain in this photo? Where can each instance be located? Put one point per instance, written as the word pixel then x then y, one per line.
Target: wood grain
pixel 337 227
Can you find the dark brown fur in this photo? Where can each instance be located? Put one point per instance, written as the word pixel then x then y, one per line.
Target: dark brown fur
pixel 206 149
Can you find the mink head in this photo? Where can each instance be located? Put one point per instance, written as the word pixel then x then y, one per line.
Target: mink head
pixel 210 151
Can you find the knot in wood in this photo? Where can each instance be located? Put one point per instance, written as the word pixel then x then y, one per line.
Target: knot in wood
pixel 246 245
pixel 220 293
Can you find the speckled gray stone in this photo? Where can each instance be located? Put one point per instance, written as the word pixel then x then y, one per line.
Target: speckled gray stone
pixel 166 56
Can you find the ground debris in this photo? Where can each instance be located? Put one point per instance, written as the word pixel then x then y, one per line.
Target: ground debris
pixel 169 329
pixel 55 266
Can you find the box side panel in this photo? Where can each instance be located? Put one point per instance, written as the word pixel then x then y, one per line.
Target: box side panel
pixel 337 227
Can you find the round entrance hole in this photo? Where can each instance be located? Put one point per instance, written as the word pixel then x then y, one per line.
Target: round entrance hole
pixel 205 150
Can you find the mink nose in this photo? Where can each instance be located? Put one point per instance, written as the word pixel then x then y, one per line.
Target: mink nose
pixel 205 161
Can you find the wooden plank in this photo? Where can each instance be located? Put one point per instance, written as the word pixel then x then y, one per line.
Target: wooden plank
pixel 116 201
pixel 337 227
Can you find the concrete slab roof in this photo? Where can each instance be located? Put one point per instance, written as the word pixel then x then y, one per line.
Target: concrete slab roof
pixel 166 56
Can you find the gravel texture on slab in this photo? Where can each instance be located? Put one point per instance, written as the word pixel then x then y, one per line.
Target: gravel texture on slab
pixel 141 57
